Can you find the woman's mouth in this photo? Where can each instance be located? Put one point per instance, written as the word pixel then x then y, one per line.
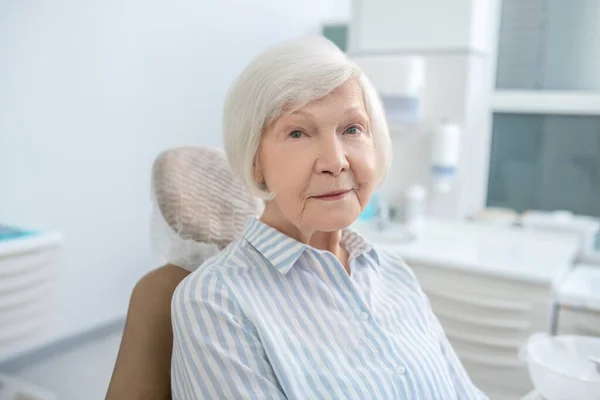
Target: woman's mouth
pixel 332 196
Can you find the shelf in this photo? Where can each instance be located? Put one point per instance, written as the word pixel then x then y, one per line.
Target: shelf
pixel 546 102
pixel 86 307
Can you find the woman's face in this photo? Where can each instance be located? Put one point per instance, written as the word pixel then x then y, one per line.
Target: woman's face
pixel 320 162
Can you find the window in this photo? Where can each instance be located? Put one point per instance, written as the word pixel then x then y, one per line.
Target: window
pixel 545 162
pixel 549 45
pixel 545 151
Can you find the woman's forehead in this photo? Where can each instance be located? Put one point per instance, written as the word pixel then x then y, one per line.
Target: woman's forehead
pixel 347 99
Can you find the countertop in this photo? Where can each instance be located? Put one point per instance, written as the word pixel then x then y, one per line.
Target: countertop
pixel 505 251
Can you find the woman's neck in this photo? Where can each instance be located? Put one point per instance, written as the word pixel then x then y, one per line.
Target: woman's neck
pixel 328 241
pixel 331 241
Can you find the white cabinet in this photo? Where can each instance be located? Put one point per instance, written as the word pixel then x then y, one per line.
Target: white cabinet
pixel 420 26
pixel 491 288
pixel 487 319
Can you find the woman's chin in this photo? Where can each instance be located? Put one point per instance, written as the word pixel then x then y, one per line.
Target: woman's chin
pixel 334 220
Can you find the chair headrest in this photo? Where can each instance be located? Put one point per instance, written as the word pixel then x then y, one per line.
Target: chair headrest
pixel 199 205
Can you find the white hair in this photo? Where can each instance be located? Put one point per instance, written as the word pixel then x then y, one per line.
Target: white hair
pixel 282 80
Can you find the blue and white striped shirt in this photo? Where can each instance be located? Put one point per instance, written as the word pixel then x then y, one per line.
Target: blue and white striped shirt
pixel 272 318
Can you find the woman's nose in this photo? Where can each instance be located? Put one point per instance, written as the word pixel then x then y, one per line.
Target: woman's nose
pixel 331 156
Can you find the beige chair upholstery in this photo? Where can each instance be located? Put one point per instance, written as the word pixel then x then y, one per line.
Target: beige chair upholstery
pixel 199 197
pixel 199 205
pixel 198 201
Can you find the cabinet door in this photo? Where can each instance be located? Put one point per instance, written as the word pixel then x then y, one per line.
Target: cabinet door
pixel 424 25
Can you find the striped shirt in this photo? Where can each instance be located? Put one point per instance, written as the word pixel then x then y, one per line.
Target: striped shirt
pixel 272 318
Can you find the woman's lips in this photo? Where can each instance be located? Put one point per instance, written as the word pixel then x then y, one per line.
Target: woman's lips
pixel 331 196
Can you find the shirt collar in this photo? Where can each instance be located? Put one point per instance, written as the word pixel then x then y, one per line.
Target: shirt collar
pixel 283 251
pixel 356 246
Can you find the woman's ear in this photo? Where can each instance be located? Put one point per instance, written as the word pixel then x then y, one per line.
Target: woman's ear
pixel 258 176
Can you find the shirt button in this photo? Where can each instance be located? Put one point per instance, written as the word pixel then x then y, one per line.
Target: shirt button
pixel 364 316
pixel 400 370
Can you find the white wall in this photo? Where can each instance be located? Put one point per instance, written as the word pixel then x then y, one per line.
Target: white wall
pixel 457 43
pixel 91 91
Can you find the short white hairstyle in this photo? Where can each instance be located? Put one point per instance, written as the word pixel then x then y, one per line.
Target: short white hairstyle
pixel 282 80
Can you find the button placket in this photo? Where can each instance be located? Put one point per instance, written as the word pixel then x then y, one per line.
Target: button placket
pixel 374 350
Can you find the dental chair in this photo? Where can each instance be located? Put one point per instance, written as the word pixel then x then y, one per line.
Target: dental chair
pixel 199 207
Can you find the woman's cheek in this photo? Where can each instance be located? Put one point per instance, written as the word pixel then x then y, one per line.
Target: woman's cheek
pixel 363 162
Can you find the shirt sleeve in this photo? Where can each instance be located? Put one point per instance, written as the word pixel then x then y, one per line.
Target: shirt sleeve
pixel 216 351
pixel 465 389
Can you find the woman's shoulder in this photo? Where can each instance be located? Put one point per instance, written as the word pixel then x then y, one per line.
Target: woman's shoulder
pixel 393 265
pixel 202 293
pixel 206 295
pixel 212 276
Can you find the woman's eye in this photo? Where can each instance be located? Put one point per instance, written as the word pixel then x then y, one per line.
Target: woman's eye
pixel 296 134
pixel 353 130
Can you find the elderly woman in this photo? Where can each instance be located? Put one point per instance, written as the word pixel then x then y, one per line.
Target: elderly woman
pixel 300 306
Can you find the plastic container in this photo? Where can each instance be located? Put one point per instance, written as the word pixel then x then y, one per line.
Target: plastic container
pixel 560 367
pixel 415 209
pixel 445 153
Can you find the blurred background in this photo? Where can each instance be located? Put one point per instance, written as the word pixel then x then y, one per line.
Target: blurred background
pixel 494 195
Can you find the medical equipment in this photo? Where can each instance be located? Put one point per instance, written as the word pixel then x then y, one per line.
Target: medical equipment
pixel 561 367
pixel 199 205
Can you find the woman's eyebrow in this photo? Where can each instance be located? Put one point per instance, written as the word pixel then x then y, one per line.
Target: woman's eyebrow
pixel 303 113
pixel 291 124
pixel 352 111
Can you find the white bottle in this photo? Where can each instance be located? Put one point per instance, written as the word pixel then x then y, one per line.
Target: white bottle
pixel 415 208
pixel 445 152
